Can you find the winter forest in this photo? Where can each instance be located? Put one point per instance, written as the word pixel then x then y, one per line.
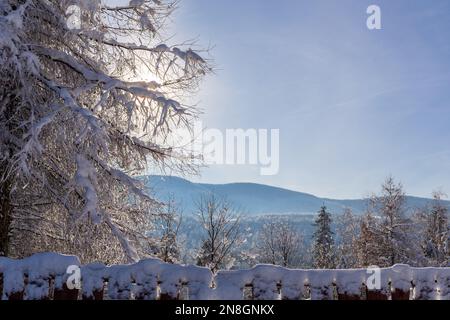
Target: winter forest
pixel 93 95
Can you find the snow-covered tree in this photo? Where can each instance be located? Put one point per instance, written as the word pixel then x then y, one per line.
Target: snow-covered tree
pixel 87 102
pixel 222 235
pixel 280 244
pixel 323 250
pixel 395 245
pixel 368 242
pixel 167 226
pixel 347 233
pixel 386 235
pixel 436 233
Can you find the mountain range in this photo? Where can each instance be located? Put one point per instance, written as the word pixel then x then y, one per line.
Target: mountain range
pixel 256 199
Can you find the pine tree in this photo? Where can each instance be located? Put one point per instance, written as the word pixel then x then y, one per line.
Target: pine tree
pixel 323 242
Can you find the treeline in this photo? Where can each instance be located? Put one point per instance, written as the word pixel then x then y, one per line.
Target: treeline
pixel 386 234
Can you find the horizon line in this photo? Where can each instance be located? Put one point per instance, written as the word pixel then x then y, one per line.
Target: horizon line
pixel 283 188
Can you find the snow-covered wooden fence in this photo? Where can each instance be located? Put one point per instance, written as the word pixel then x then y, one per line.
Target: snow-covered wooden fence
pixel 44 276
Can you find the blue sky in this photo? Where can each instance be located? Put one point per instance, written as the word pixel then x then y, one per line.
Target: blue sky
pixel 352 105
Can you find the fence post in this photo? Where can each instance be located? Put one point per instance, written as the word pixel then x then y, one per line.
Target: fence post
pixel 65 293
pixel 398 294
pixel 247 292
pixel 17 293
pixel 321 285
pixel 38 286
pixel 376 295
pixel 343 295
pixel 147 288
pixel 424 287
pixel 95 295
pixel 184 291
pixel 166 293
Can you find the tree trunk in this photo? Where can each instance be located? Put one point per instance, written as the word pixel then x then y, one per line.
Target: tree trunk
pixel 5 217
pixel 6 182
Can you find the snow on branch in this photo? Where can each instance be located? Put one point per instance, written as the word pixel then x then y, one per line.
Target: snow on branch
pixel 85 109
pixel 85 178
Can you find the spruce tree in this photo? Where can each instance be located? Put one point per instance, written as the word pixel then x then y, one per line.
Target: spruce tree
pixel 323 242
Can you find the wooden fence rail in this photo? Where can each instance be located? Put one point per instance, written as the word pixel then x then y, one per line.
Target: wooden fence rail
pixel 48 276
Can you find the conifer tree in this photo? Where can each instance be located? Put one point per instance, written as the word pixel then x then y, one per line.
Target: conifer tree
pixel 323 245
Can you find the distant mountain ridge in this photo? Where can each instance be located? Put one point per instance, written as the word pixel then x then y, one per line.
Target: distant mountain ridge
pixel 257 199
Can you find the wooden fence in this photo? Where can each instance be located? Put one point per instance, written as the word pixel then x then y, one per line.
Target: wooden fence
pixel 45 276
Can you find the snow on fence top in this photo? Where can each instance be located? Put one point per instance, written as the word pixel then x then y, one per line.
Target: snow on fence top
pixel 45 276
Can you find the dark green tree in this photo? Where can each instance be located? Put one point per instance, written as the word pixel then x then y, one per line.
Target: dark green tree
pixel 323 242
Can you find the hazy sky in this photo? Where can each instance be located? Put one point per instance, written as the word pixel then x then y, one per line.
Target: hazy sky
pixel 352 105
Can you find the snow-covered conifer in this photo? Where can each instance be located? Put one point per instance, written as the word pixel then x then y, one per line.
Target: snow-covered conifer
pixel 323 251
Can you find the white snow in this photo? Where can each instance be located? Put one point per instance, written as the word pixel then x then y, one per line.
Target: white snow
pixel 86 178
pixel 152 278
pixel 39 268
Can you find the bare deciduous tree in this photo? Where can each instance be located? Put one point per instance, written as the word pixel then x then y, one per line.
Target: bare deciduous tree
pixel 393 226
pixel 222 233
pixel 83 109
pixel 280 244
pixel 167 226
pixel 386 236
pixel 347 236
pixel 435 232
pixel 367 243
